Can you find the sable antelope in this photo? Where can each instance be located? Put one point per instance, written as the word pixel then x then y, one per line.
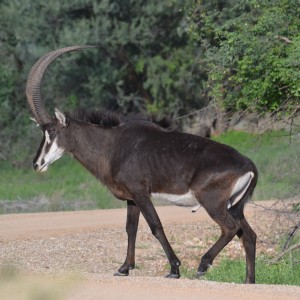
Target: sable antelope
pixel 138 159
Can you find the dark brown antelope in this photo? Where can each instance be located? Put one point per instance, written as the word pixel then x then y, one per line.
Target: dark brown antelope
pixel 138 159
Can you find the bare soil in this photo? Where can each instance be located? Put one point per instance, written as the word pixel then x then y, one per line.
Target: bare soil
pixel 73 255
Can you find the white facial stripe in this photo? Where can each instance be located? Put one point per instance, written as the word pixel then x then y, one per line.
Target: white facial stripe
pixel 48 157
pixel 54 153
pixel 47 137
pixel 42 154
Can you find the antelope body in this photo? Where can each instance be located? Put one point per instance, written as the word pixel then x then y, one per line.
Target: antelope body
pixel 139 159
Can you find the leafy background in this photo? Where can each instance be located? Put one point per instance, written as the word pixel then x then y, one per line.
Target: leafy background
pixel 162 56
pixel 171 57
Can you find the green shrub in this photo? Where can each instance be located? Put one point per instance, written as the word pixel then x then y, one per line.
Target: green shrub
pixel 276 157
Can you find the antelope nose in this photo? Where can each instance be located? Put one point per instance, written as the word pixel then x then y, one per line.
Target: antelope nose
pixel 35 165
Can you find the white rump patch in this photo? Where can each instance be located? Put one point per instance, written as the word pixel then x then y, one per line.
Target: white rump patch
pixel 241 185
pixel 186 200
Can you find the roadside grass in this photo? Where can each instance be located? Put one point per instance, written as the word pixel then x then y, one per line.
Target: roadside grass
pixel 285 272
pixel 66 181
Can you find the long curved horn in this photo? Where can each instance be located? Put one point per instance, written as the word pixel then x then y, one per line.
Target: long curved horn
pixel 34 79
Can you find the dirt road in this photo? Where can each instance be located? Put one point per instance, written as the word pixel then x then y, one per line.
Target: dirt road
pixel 72 255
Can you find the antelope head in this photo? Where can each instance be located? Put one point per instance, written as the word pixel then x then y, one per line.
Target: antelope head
pixel 50 148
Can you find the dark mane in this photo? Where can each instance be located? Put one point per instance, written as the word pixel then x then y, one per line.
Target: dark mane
pixel 105 119
pixel 109 119
pixel 164 122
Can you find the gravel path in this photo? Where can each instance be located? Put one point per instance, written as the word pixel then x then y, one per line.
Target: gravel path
pixel 43 251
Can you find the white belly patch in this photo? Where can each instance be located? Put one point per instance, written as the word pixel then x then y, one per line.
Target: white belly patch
pixel 186 200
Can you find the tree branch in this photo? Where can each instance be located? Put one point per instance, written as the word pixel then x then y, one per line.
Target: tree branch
pixel 283 253
pixel 285 39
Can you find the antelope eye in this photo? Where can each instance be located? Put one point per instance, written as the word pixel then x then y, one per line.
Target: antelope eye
pixel 51 133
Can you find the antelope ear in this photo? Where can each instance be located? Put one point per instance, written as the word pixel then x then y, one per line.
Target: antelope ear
pixel 61 117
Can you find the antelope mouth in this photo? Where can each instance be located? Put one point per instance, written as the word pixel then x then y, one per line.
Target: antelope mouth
pixel 41 169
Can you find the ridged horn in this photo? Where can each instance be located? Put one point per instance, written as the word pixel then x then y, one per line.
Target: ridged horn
pixel 34 79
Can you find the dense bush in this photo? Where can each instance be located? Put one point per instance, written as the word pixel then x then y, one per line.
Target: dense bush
pixel 162 56
pixel 145 62
pixel 253 53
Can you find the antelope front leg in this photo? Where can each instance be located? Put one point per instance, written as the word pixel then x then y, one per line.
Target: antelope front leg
pixel 145 205
pixel 133 214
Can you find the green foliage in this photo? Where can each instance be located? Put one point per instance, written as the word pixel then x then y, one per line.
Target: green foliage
pixel 157 56
pixel 145 61
pixel 276 158
pixel 253 53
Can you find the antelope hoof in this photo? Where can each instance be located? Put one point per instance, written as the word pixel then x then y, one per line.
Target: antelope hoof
pixel 174 272
pixel 171 275
pixel 200 273
pixel 118 273
pixel 123 271
pixel 203 270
